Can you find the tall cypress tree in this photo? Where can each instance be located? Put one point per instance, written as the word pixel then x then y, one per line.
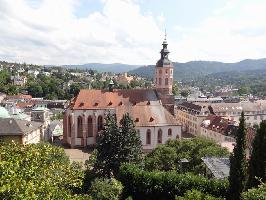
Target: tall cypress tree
pixel 257 163
pixel 117 145
pixel 238 163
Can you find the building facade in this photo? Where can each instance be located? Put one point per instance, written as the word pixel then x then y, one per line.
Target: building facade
pixel 151 109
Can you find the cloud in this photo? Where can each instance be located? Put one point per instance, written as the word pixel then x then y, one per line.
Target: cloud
pixel 232 33
pixel 48 32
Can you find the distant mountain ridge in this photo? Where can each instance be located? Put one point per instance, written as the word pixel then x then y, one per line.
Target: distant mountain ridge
pixel 114 67
pixel 194 69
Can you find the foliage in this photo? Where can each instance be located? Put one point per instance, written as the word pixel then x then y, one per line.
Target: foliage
pixel 161 158
pixel 142 184
pixel 196 195
pixel 257 162
pixel 238 163
pixel 184 93
pixel 37 172
pixel 255 193
pixel 192 149
pixel 116 145
pixel 58 116
pixel 106 189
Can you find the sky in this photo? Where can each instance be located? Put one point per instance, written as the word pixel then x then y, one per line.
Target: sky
pixel 131 31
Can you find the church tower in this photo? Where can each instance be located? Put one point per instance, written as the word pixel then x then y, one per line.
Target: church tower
pixel 163 77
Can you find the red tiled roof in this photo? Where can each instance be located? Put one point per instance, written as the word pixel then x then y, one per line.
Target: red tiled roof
pixel 143 105
pixel 24 104
pixel 96 99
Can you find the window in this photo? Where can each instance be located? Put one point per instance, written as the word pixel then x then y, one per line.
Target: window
pixel 148 136
pixel 90 127
pixel 160 81
pixel 166 81
pixel 80 129
pixel 166 71
pixel 169 132
pixel 255 117
pixel 69 125
pixel 100 123
pixel 160 71
pixel 156 81
pixel 160 136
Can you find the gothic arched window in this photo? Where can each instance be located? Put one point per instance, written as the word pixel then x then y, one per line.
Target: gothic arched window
pixel 166 81
pixel 169 132
pixel 160 136
pixel 148 136
pixel 69 125
pixel 100 123
pixel 90 127
pixel 160 81
pixel 80 128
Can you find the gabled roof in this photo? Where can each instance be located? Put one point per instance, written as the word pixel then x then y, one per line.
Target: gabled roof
pixel 143 105
pixel 17 127
pixel 103 99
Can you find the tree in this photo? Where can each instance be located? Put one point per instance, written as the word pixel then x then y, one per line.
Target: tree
pixel 161 158
pixel 238 163
pixel 184 93
pixel 257 162
pixel 116 145
pixel 193 150
pixel 37 171
pixel 196 195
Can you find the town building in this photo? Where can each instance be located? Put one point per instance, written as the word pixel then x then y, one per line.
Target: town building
pixel 151 109
pixel 19 80
pixel 20 131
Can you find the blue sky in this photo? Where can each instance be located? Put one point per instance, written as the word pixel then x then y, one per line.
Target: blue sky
pixel 131 31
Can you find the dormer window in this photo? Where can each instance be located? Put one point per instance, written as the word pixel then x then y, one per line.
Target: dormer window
pixel 134 103
pixel 120 103
pixel 81 104
pixel 96 104
pixel 148 103
pixel 110 103
pixel 137 119
pixel 151 119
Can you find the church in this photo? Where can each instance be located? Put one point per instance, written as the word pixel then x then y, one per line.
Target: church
pixel 151 109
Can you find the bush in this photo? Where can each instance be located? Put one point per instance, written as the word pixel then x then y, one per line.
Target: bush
pixel 196 195
pixel 142 184
pixel 37 171
pixel 106 189
pixel 255 193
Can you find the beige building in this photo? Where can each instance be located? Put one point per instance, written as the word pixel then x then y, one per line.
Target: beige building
pixel 151 109
pixel 124 78
pixel 20 131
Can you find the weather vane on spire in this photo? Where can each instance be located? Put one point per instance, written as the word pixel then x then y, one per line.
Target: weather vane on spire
pixel 165 34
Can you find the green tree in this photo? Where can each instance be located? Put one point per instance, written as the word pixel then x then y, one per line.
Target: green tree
pixel 184 93
pixel 106 189
pixel 35 89
pixel 257 162
pixel 193 150
pixel 238 163
pixel 39 171
pixel 161 158
pixel 116 145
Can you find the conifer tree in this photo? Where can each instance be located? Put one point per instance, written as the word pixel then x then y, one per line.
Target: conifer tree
pixel 238 163
pixel 257 163
pixel 117 145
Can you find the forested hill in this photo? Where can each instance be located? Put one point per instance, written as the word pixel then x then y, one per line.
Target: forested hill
pixel 100 67
pixel 194 69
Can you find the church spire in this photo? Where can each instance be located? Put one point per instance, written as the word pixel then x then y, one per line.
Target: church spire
pixel 164 52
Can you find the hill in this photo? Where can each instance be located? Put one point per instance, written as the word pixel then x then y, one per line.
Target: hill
pixel 114 67
pixel 194 69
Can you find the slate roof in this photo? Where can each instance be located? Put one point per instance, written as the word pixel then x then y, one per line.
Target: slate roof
pixel 17 127
pixel 219 167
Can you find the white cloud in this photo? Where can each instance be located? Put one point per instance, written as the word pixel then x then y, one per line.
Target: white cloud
pixel 50 33
pixel 233 33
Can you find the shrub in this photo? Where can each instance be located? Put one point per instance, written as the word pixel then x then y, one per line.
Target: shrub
pixel 142 184
pixel 196 195
pixel 255 193
pixel 106 189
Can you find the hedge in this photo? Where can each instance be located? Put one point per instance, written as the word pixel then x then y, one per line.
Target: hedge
pixel 142 184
